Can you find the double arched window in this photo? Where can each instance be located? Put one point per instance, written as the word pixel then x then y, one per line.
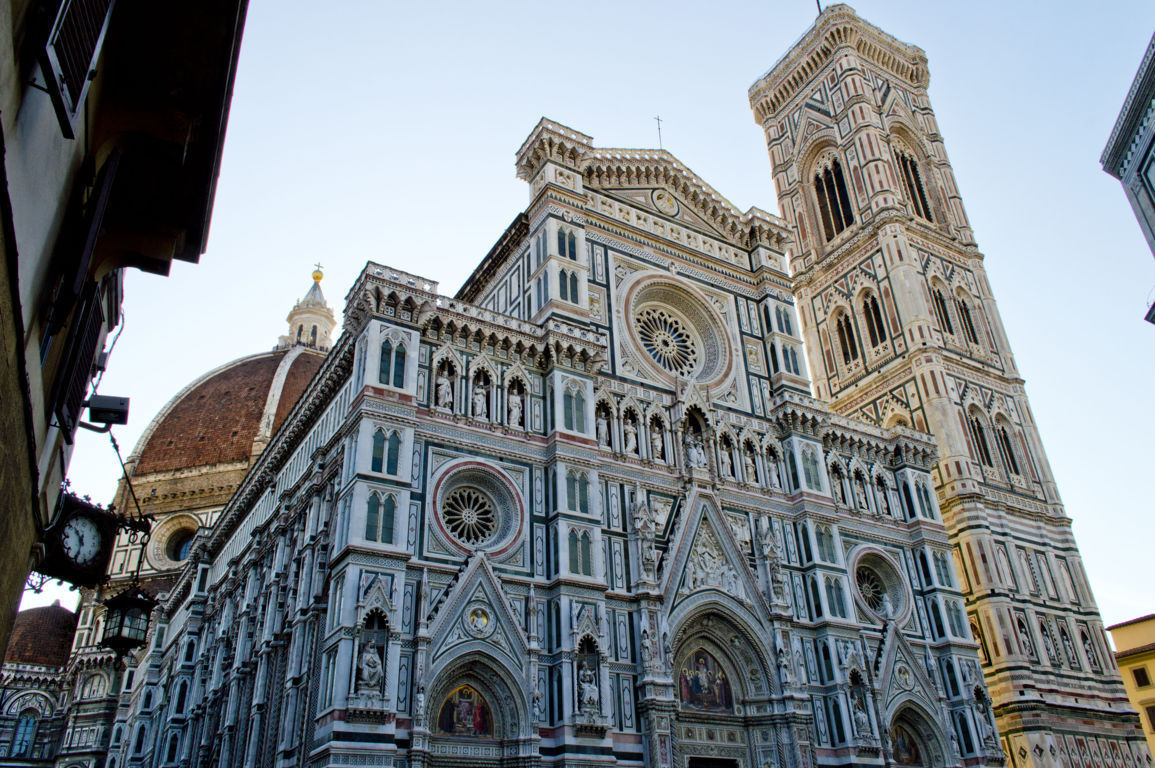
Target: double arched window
pixel 873 314
pixel 966 321
pixel 844 329
pixel 577 488
pixel 567 285
pixel 379 514
pixel 566 244
pixel 581 553
pixel 574 409
pixel 912 183
pixel 825 538
pixel 835 597
pixel 386 452
pixel 392 372
pixel 833 199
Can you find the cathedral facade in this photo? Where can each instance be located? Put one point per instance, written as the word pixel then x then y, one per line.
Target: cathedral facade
pixel 665 484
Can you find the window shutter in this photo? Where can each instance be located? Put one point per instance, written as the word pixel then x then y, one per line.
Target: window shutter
pixel 70 55
pixel 76 370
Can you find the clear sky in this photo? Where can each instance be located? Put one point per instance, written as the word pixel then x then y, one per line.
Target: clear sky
pixel 387 131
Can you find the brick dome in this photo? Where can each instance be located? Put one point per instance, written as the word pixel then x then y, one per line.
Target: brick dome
pixel 228 414
pixel 41 636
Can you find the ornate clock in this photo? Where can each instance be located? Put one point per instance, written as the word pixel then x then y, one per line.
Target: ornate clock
pixel 78 546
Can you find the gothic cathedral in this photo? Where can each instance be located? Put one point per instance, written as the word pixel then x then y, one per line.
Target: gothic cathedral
pixel 665 484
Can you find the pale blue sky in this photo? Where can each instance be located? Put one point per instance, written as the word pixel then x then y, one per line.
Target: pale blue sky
pixel 366 130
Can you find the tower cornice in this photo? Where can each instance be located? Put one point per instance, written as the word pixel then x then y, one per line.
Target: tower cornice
pixel 838 28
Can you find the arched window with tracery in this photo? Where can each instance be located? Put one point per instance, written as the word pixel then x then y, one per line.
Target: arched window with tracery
pixel 563 285
pixel 25 735
pixel 825 538
pixel 966 321
pixel 379 515
pixel 912 183
pixel 1006 448
pixel 835 597
pixel 834 208
pixel 940 311
pixel 979 436
pixel 873 314
pixel 844 329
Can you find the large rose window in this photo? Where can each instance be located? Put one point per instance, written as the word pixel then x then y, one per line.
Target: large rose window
pixel 881 590
pixel 667 340
pixel 469 515
pixel 477 507
pixel 675 332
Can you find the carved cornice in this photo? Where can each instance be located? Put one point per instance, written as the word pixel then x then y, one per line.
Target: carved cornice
pixel 838 28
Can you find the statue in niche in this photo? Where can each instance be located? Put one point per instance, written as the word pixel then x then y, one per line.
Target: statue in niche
pixel 1025 640
pixel 538 705
pixel 748 467
pixel 695 451
pixel 656 444
pixel 444 390
pixel 631 434
pixel 369 670
pixel 644 525
pixel 772 470
pixel 784 666
pixel 772 552
pixel 836 488
pixel 603 430
pixel 725 463
pixel 590 695
pixel 647 648
pixel 419 706
pixel 861 719
pixel 1089 649
pixel 480 400
pixel 515 408
pixel 860 493
pixel 983 716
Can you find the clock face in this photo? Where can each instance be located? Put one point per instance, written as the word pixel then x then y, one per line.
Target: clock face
pixel 80 539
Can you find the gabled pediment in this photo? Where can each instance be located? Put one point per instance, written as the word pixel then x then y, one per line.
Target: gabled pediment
pixel 476 613
pixel 706 557
pixel 903 674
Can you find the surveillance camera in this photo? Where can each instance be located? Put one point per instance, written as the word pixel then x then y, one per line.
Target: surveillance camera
pixel 103 409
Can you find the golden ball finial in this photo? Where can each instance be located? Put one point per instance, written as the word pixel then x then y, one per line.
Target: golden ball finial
pixel 317 273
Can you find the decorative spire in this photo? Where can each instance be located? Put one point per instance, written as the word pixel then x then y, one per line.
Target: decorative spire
pixel 311 320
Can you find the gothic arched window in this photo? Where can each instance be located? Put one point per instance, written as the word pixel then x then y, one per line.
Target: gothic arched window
pixel 912 184
pixel 376 462
pixel 25 734
pixel 313 337
pixel 835 597
pixel 398 367
pixel 560 242
pixel 379 516
pixel 980 439
pixel 1006 448
pixel 966 321
pixel 833 200
pixel 571 246
pixel 825 543
pixel 873 314
pixel 573 286
pixel 587 567
pixel 940 311
pixel 563 285
pixel 393 453
pixel 815 598
pixel 386 367
pixel 846 339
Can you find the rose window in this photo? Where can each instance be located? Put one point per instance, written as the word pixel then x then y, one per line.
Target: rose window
pixel 667 340
pixel 870 586
pixel 674 332
pixel 469 515
pixel 881 590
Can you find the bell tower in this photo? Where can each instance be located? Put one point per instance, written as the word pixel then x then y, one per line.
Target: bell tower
pixel 902 330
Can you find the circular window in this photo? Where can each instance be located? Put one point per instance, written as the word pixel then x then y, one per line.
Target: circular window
pixel 179 546
pixel 676 332
pixel 469 515
pixel 880 587
pixel 477 507
pixel 667 340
